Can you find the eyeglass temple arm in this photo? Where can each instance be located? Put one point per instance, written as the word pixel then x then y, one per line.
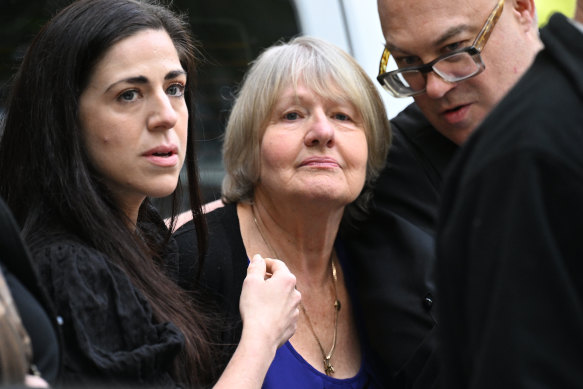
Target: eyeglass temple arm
pixel 483 36
pixel 384 61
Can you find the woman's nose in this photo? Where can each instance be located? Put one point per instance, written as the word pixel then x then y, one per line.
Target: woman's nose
pixel 163 115
pixel 321 131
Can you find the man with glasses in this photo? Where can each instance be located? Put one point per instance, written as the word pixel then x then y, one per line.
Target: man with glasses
pixel 510 235
pixel 456 66
pixel 457 58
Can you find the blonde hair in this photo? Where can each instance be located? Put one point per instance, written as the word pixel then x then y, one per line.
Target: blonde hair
pixel 15 349
pixel 312 62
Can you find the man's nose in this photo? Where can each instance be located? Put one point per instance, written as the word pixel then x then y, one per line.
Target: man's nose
pixel 436 87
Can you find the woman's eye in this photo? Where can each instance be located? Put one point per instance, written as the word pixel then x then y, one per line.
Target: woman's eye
pixel 175 90
pixel 129 95
pixel 291 116
pixel 341 116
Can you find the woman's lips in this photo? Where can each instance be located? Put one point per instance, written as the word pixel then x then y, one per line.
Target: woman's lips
pixel 320 162
pixel 163 156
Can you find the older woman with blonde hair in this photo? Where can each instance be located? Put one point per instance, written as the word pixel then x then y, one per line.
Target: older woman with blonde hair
pixel 306 133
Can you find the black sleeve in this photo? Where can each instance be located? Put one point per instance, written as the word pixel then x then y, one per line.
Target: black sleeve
pixel 510 269
pixel 109 330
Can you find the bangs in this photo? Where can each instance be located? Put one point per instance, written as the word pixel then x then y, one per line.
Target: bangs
pixel 322 71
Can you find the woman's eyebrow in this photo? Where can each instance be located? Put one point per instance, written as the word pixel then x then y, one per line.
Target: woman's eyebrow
pixel 175 73
pixel 144 80
pixel 130 80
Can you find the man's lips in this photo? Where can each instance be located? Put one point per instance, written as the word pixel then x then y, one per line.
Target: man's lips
pixel 456 114
pixel 320 162
pixel 163 155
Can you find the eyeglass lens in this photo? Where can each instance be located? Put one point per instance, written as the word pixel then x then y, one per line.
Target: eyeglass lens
pixel 453 68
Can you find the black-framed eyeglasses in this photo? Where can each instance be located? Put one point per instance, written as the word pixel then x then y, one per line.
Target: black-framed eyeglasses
pixel 451 67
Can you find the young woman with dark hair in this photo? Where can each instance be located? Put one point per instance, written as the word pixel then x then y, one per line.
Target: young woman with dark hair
pixel 100 119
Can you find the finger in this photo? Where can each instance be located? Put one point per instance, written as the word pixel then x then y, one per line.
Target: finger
pixel 297 299
pixel 274 266
pixel 257 266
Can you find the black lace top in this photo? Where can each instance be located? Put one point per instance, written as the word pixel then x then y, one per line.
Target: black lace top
pixel 109 332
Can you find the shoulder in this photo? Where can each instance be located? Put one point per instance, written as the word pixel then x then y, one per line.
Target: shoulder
pixel 417 159
pixel 69 269
pixel 534 132
pixel 55 249
pixel 225 260
pixel 539 118
pixel 409 185
pixel 541 115
pixel 417 132
pixel 186 216
pixel 77 275
pixel 222 222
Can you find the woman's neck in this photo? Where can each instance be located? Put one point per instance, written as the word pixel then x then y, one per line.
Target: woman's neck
pixel 130 206
pixel 302 237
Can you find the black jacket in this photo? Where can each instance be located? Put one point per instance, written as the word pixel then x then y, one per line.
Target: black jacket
pixel 394 252
pixel 510 241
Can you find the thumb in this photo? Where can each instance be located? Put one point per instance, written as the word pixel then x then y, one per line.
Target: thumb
pixel 274 266
pixel 257 266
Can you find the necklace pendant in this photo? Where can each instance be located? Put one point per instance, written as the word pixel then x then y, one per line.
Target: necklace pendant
pixel 328 368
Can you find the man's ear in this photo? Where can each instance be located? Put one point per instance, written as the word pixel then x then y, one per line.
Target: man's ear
pixel 525 13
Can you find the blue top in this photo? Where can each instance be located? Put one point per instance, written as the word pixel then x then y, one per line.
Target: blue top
pixel 289 370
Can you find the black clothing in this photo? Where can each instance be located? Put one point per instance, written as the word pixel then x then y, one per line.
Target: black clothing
pixel 222 275
pixel 28 297
pixel 224 271
pixel 109 332
pixel 393 251
pixel 510 233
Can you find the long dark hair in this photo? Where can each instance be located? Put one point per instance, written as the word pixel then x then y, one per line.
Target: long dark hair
pixel 45 174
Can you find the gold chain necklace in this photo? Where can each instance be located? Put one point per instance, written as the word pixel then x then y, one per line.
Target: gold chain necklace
pixel 328 368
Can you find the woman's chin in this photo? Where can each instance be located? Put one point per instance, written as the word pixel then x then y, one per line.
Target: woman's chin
pixel 328 196
pixel 162 190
